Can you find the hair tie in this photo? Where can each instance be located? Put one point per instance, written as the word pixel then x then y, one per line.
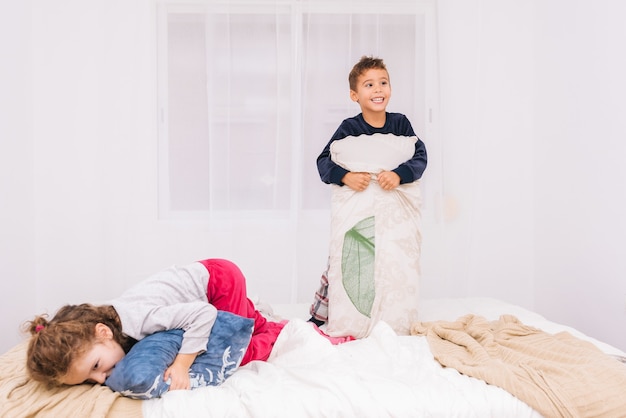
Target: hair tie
pixel 39 328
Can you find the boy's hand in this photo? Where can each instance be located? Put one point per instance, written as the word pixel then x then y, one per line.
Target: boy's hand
pixel 388 180
pixel 179 372
pixel 357 181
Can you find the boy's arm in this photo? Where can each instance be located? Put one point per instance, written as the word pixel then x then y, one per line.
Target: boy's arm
pixel 330 172
pixel 414 168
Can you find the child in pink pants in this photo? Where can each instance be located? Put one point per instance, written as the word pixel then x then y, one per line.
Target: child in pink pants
pixel 180 297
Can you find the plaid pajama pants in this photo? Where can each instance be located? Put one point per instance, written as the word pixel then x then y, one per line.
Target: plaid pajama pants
pixel 319 308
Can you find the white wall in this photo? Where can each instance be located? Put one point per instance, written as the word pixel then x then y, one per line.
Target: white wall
pixel 486 64
pixel 94 134
pixel 18 288
pixel 78 155
pixel 532 103
pixel 580 175
pixel 530 154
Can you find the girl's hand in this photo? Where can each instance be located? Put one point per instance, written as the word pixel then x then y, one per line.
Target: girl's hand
pixel 357 181
pixel 388 180
pixel 178 372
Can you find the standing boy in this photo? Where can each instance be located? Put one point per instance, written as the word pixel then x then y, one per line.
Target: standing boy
pixel 379 147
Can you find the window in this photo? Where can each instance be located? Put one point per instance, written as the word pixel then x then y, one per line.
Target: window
pixel 250 93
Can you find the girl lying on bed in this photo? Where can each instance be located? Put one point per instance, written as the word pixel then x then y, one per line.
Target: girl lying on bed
pixel 83 343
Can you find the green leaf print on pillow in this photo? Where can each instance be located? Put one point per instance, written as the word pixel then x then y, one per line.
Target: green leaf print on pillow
pixel 357 265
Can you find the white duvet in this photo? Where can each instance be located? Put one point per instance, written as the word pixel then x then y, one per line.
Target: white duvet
pixel 383 375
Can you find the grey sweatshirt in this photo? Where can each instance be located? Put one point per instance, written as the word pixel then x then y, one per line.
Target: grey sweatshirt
pixel 172 299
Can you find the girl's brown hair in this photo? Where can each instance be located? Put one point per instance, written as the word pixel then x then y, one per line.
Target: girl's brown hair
pixel 55 344
pixel 364 64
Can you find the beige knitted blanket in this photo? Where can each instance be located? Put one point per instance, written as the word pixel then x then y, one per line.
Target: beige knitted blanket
pixel 21 397
pixel 558 375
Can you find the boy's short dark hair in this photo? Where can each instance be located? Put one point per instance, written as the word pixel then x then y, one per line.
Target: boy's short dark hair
pixel 364 64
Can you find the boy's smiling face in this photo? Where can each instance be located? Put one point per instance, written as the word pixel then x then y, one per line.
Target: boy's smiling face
pixel 373 91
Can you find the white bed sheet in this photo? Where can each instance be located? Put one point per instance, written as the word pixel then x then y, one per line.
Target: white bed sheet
pixel 383 375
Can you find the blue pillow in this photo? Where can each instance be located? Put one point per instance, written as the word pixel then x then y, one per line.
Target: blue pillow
pixel 139 374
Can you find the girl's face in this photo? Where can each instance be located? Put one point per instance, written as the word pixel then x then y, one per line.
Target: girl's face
pixel 97 363
pixel 373 90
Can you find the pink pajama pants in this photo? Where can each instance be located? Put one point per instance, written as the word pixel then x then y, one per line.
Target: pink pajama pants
pixel 227 292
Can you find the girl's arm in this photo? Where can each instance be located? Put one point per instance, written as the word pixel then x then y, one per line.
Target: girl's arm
pixel 179 371
pixel 195 318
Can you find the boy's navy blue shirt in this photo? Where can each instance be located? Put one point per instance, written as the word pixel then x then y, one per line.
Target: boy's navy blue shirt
pixel 395 124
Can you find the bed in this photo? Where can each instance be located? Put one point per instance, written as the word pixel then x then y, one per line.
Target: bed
pixel 382 375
